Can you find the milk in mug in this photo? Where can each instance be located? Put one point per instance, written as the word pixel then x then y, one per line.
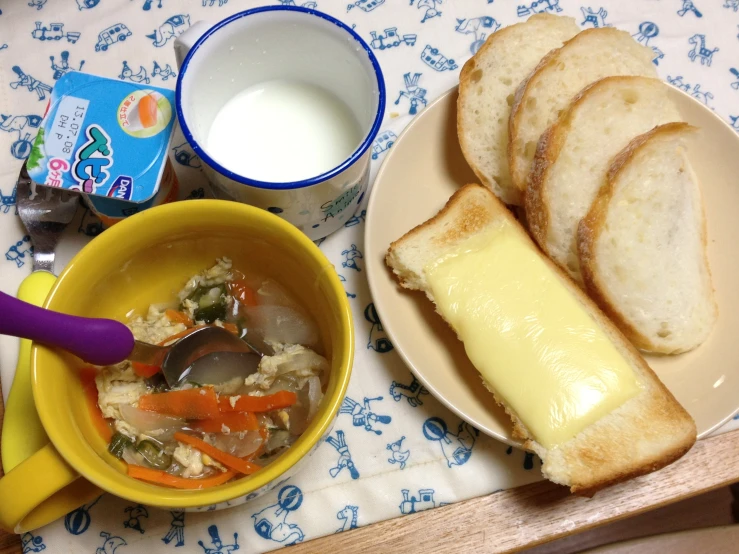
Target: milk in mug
pixel 283 131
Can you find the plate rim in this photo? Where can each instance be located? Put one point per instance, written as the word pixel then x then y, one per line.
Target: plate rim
pixel 388 326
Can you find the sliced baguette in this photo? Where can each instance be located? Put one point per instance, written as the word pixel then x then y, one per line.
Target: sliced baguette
pixel 573 156
pixel 642 435
pixel 642 245
pixel 487 84
pixel 589 56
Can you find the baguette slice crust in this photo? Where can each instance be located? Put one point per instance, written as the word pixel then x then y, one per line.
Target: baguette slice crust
pixel 574 154
pixel 487 84
pixel 561 74
pixel 642 245
pixel 646 433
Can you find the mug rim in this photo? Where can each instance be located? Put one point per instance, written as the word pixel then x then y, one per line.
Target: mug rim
pixel 289 185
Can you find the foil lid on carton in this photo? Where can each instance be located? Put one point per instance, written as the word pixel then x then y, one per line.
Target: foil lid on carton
pixel 104 137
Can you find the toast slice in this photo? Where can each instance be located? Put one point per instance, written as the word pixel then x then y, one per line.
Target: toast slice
pixel 561 74
pixel 645 433
pixel 642 245
pixel 573 155
pixel 487 84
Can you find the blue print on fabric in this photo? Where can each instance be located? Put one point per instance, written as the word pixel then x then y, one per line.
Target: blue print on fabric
pixel 163 74
pixel 693 90
pixel 412 392
pixel 111 543
pixel 348 294
pixel 414 93
pixel 429 7
pixel 688 7
pixel 647 31
pixel 25 127
pixel 78 521
pixel 271 522
pixel 377 339
pixel 413 504
pixel 735 72
pixel 176 529
pixel 7 201
pixel 479 28
pixel 55 31
pixel 365 5
pixel 700 51
pixel 595 18
pixel 362 415
pixel 38 4
pixel 348 514
pixel 217 544
pixel 62 68
pixel 310 4
pixel 31 83
pixel 351 255
pixel 383 142
pixel 538 6
pixel 390 39
pixel 135 514
pixel 356 219
pixel 87 4
pixel 345 457
pixel 127 74
pixel 435 60
pixel 734 122
pixel 184 156
pixel 90 225
pixel 171 28
pixel 32 543
pixel 528 458
pixel 397 455
pixel 457 448
pixel 112 35
pixel 19 251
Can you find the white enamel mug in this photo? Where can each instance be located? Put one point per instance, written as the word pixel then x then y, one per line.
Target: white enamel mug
pixel 282 42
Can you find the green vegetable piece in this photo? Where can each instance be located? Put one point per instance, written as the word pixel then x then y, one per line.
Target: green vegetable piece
pixel 211 313
pixel 118 444
pixel 154 455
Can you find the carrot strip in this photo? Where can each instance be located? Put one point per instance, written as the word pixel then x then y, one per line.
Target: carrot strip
pixel 231 328
pixel 181 334
pixel 246 403
pixel 240 290
pixel 87 376
pixel 178 317
pixel 145 370
pixel 235 421
pixel 230 461
pixel 198 403
pixel 163 478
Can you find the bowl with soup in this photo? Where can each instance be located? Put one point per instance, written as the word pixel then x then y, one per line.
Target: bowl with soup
pixel 235 432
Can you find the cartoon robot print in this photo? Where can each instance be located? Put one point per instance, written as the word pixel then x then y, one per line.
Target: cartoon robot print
pixel 362 414
pixel 689 7
pixel 412 393
pixel 596 19
pixel 78 520
pixel 19 251
pixel 127 74
pixel 351 255
pixel 183 156
pixel 457 448
pixel 415 94
pixel 377 341
pixel 700 51
pixel 217 546
pixel 111 543
pixel 348 514
pixel 345 456
pixel 25 126
pixel 171 28
pixel 430 8
pixel 135 515
pixel 31 83
pixel 397 454
pixel 473 27
pixel 62 68
pixel 271 522
pixel 176 529
pixel 31 543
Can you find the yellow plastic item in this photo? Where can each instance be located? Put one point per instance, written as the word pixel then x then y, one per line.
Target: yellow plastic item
pixel 143 260
pixel 529 337
pixel 23 433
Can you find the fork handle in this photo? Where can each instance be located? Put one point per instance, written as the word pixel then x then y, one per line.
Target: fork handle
pixel 95 341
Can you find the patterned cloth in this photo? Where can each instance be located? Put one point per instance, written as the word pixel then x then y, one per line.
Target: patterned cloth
pixel 394 449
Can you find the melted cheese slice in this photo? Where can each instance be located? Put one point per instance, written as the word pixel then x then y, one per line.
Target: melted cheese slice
pixel 528 336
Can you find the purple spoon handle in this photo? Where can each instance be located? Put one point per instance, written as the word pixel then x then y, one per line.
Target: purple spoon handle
pixel 95 341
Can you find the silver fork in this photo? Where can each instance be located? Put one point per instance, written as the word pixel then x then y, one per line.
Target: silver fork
pixel 45 213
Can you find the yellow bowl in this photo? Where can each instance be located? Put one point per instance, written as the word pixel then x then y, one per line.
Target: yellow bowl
pixel 146 259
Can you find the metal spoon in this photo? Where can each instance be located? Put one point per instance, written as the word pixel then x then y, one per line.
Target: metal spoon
pixel 106 342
